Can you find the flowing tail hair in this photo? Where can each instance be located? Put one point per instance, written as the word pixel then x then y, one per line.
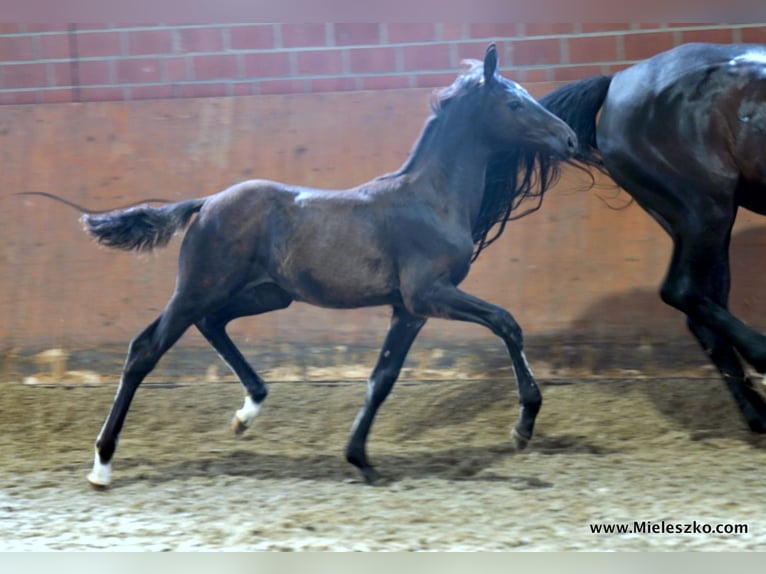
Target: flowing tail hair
pixel 578 105
pixel 134 227
pixel 141 228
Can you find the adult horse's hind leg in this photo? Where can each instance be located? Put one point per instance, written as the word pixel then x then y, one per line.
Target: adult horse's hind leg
pixel 447 301
pixel 144 352
pixel 254 301
pixel 699 272
pixel 402 332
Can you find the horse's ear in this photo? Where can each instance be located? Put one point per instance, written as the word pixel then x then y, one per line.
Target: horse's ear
pixel 490 63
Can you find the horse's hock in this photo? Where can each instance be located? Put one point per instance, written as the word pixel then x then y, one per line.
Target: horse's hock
pixel 580 277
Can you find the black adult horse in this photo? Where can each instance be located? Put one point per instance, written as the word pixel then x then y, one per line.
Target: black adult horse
pixel 684 133
pixel 405 239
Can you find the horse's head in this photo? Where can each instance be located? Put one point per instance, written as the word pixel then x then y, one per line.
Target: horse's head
pixel 509 115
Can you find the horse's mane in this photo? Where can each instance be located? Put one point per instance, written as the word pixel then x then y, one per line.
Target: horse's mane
pixel 440 98
pixel 512 175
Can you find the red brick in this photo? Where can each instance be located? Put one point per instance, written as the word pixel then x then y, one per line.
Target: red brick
pixel 722 36
pixel 46 27
pixel 653 26
pixel 17 48
pixel 175 70
pixel 258 37
pixel 12 98
pixel 348 34
pixel 126 25
pixel 571 73
pixel 434 80
pixel 320 62
pixel 496 30
pixel 303 35
pixel 57 96
pixel 366 60
pixel 55 46
pixel 592 48
pixel 641 46
pixel 159 91
pixel 754 35
pixel 289 86
pixel 9 28
pixel 682 24
pixel 216 67
pixel 399 32
pixel 215 90
pixel 534 75
pixel 93 72
pixel 384 82
pixel 98 44
pixel 272 64
pixel 547 28
pixel 242 89
pixel 92 26
pixel 591 27
pixel 536 52
pixel 201 39
pixel 426 57
pixel 104 94
pixel 452 31
pixel 23 76
pixel 141 42
pixel 138 71
pixel 336 84
pixel 62 73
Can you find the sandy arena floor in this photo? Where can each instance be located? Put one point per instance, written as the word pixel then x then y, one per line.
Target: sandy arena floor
pixel 609 452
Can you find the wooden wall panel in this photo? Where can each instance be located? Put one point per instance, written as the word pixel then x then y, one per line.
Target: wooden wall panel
pixel 576 269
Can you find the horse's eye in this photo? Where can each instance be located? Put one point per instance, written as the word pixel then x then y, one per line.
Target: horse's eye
pixel 514 105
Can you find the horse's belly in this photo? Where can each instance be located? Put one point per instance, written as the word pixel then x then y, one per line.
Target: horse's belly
pixel 340 282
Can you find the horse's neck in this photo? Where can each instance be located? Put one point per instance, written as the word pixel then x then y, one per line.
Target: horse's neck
pixel 455 163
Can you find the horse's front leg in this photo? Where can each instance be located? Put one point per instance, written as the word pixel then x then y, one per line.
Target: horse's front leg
pixel 447 301
pixel 402 331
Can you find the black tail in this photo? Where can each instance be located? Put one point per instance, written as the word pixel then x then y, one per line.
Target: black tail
pixel 578 104
pixel 141 228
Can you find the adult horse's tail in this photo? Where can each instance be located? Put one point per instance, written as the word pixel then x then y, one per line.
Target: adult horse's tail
pixel 141 228
pixel 578 104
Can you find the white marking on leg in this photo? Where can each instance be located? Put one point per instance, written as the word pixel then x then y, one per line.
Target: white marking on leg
pixel 101 475
pixel 249 411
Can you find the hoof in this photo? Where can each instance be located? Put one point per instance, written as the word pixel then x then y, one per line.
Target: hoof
pixel 370 476
pixel 101 475
pixel 237 426
pixel 519 441
pixel 244 416
pixel 96 485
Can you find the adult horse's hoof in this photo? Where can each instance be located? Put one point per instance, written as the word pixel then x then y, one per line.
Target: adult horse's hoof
pixel 370 476
pixel 519 441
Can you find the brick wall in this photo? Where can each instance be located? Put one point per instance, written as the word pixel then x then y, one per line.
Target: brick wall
pixel 77 62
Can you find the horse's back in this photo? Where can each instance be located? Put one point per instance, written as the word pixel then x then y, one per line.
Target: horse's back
pixel 686 111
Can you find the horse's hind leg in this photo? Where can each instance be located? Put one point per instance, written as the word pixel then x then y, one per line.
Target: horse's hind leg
pixel 699 275
pixel 748 400
pixel 144 352
pixel 402 332
pixel 254 301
